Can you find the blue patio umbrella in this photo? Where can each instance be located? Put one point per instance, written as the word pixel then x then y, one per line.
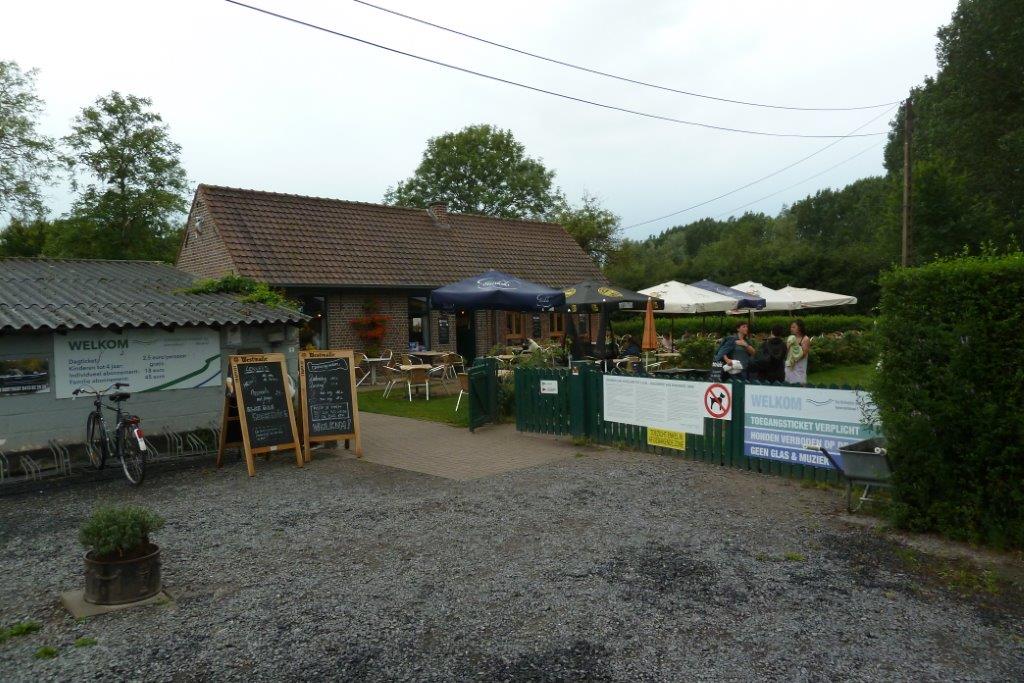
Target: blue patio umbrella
pixel 743 299
pixel 496 291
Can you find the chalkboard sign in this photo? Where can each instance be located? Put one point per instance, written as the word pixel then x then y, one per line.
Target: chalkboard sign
pixel 264 405
pixel 443 333
pixel 536 327
pixel 330 410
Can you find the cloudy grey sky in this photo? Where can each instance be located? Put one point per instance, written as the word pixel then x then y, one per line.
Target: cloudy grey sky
pixel 259 103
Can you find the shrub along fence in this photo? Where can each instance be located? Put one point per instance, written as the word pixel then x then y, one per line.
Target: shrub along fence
pixel 720 325
pixel 572 403
pixel 950 396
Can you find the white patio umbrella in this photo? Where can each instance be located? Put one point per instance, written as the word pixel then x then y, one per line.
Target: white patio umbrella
pixel 683 298
pixel 774 299
pixel 813 298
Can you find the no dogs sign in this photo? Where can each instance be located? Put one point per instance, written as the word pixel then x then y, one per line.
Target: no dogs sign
pixel 718 401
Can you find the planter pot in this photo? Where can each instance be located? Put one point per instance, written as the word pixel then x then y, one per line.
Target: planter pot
pixel 116 582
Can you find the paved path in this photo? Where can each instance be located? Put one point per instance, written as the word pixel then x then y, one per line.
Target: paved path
pixel 454 453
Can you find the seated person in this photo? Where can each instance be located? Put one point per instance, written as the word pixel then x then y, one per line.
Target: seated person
pixel 666 343
pixel 629 347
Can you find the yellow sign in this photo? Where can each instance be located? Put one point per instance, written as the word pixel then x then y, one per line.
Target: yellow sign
pixel 608 291
pixel 569 292
pixel 666 438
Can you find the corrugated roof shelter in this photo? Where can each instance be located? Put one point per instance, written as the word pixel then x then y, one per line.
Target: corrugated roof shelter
pixel 69 324
pixel 55 294
pixel 341 257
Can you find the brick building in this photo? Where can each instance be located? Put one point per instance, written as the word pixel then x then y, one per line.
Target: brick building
pixel 342 259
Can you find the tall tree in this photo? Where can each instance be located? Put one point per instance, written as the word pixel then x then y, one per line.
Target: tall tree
pixel 26 155
pixel 595 228
pixel 24 237
pixel 479 169
pixel 132 187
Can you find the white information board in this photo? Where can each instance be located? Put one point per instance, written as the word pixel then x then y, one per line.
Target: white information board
pixel 670 404
pixel 147 359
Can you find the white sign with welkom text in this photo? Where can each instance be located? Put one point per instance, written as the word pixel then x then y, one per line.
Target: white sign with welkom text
pixel 671 404
pixel 146 359
pixel 549 386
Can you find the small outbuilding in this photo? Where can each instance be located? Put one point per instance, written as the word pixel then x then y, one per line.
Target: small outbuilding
pixel 71 323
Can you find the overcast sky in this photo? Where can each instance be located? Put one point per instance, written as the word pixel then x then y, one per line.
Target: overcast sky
pixel 259 103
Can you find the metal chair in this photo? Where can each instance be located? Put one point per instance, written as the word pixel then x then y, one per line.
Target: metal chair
pixel 463 388
pixel 392 377
pixel 441 373
pixel 362 368
pixel 417 377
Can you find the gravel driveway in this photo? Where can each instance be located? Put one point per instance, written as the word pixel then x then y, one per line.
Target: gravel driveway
pixel 606 566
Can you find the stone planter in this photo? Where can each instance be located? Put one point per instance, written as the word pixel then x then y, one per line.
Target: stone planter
pixel 116 582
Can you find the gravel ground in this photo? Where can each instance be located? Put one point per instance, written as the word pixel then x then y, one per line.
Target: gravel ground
pixel 610 566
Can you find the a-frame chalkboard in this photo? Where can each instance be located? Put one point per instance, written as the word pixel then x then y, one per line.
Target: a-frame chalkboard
pixel 263 407
pixel 328 399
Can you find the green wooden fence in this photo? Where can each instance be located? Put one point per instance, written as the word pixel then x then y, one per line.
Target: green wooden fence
pixel 576 410
pixel 483 392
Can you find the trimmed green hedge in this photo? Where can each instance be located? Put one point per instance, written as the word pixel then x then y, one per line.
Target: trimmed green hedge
pixel 951 396
pixel 720 324
pixel 827 351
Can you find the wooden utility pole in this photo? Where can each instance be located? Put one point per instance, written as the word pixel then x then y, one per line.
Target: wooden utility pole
pixel 908 123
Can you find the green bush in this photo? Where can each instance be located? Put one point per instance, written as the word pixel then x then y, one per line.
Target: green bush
pixel 827 351
pixel 720 325
pixel 119 531
pixel 251 291
pixel 950 393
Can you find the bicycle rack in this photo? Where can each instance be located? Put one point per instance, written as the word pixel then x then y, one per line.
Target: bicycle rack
pixel 151 448
pixel 61 457
pixel 29 466
pixel 196 445
pixel 5 467
pixel 175 446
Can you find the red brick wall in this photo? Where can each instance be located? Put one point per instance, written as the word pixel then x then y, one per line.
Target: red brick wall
pixel 343 307
pixel 202 251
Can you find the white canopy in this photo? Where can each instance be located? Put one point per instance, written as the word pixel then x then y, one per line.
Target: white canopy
pixel 682 298
pixel 774 299
pixel 813 298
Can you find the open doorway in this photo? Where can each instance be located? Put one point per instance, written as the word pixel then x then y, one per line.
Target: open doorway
pixel 465 335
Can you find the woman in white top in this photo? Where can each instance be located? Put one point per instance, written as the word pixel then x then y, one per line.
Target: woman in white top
pixel 799 349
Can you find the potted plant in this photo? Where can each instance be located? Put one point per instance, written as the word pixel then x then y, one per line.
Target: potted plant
pixel 121 564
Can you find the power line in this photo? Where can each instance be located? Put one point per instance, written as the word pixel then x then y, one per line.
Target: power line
pixel 759 180
pixel 605 74
pixel 796 184
pixel 553 93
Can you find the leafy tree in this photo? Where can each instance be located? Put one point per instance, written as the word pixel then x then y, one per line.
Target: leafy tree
pixel 134 189
pixel 480 169
pixel 25 154
pixel 595 228
pixel 24 237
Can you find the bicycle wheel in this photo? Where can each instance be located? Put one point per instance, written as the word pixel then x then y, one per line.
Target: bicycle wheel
pixel 96 441
pixel 133 457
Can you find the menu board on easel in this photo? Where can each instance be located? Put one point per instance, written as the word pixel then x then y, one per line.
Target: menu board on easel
pixel 329 402
pixel 264 406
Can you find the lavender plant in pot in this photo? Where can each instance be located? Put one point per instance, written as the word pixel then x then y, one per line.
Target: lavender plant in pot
pixel 121 564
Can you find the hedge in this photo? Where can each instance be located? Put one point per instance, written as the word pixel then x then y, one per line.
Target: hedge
pixel 827 351
pixel 720 325
pixel 950 396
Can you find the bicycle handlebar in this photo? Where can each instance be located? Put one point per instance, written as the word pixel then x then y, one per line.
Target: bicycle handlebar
pixel 94 392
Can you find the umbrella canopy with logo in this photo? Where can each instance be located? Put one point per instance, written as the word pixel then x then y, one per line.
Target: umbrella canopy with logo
pixel 774 299
pixel 496 291
pixel 590 296
pixel 743 300
pixel 680 298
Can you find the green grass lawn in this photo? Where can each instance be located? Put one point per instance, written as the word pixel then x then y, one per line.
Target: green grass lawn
pixel 853 375
pixel 440 407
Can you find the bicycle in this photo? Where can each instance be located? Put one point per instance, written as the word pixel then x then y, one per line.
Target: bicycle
pixel 127 443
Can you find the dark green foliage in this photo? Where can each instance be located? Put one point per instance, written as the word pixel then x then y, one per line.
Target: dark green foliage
pixel 26 155
pixel 24 238
pixel 85 641
pixel 252 291
pixel 594 228
pixel 950 396
pixel 45 652
pixel 726 324
pixel 119 531
pixel 479 169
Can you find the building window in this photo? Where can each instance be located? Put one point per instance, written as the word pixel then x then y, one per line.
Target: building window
pixel 556 324
pixel 419 322
pixel 513 326
pixel 313 334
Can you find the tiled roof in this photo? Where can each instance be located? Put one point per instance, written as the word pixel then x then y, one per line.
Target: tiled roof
pixel 288 239
pixel 62 294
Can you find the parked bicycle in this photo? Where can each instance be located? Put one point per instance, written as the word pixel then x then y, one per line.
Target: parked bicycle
pixel 126 442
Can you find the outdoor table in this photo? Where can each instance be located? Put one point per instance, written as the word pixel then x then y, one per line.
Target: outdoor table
pixel 374 362
pixel 415 366
pixel 668 354
pixel 428 355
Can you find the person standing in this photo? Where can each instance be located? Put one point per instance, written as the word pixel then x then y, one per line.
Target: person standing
pixel 799 345
pixel 770 363
pixel 735 347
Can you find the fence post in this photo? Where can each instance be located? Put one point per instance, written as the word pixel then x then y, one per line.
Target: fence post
pixel 578 399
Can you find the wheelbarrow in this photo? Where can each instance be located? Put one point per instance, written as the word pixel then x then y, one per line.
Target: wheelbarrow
pixel 864 462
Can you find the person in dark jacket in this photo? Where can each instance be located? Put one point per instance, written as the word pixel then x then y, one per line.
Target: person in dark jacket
pixel 770 362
